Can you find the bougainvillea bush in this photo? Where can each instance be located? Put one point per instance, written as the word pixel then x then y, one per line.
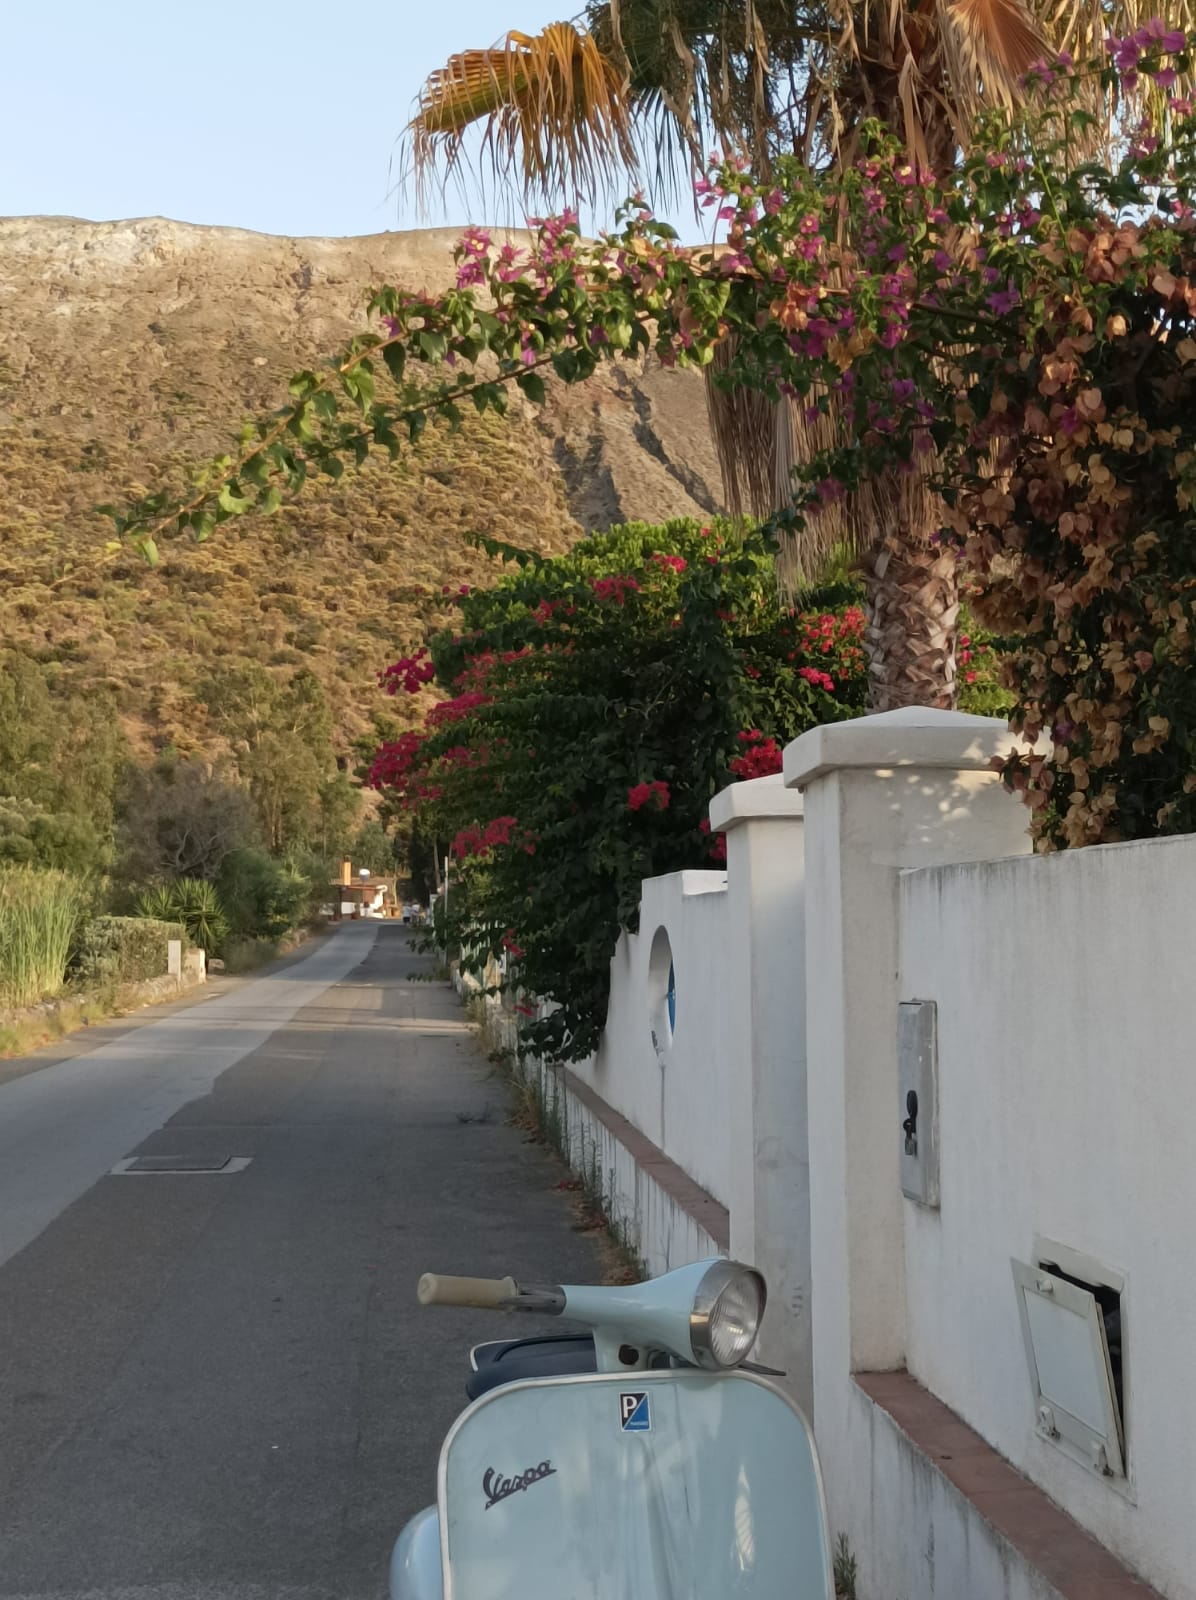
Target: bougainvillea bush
pixel 595 703
pixel 1023 333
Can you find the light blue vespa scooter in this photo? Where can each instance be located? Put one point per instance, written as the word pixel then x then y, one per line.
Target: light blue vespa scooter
pixel 640 1461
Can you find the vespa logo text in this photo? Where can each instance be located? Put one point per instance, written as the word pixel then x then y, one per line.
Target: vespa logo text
pixel 497 1488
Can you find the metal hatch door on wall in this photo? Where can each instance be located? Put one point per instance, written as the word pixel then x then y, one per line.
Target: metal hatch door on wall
pixel 1072 1377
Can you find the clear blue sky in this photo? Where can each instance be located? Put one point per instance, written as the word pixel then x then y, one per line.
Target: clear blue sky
pixel 279 115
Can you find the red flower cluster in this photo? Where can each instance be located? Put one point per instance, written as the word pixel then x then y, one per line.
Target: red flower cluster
pixel 760 759
pixel 616 589
pixel 460 755
pixel 477 671
pixel 474 841
pixel 409 674
pixel 718 847
pixel 393 760
pixel 824 632
pixel 509 945
pixel 669 563
pixel 455 710
pixel 639 796
pixel 820 680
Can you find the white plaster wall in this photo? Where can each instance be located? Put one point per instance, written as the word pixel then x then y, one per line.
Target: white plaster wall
pixel 682 1098
pixel 913 1534
pixel 1067 1021
pixel 882 794
pixel 645 1216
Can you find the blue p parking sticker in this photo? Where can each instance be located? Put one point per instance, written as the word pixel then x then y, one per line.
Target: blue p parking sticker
pixel 634 1415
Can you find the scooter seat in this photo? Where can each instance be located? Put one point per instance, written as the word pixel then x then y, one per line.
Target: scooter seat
pixel 509 1360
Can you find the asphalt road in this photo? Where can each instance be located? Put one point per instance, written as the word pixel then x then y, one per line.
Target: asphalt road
pixel 220 1386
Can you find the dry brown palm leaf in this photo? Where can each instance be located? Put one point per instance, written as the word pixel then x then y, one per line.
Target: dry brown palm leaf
pixel 812 428
pixel 999 39
pixel 742 425
pixel 552 110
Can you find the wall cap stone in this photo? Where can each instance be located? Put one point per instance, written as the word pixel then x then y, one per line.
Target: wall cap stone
pixel 755 800
pixel 913 736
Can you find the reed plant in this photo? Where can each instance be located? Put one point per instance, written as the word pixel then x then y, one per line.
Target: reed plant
pixel 40 914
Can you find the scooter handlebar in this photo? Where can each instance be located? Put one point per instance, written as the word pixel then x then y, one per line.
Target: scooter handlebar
pixel 489 1294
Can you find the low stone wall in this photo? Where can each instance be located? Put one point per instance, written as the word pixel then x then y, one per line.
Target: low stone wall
pixel 128 997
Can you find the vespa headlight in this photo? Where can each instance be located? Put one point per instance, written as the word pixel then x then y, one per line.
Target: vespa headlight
pixel 726 1314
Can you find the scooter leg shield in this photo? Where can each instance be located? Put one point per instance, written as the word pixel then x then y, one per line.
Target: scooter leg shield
pixel 415 1572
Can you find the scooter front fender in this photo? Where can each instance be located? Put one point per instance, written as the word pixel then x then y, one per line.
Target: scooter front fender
pixel 415 1572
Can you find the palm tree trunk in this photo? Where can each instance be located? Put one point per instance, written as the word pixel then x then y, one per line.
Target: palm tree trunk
pixel 912 607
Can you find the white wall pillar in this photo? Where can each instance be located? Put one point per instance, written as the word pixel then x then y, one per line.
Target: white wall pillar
pixel 770 1215
pixel 904 789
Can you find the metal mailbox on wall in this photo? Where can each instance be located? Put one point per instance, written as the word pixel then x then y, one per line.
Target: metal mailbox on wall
pixel 918 1080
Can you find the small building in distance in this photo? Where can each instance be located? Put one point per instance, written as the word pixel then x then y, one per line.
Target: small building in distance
pixel 361 894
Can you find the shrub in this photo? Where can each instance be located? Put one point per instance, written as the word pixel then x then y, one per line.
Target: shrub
pixel 246 955
pixel 181 818
pixel 192 902
pixel 263 898
pixel 598 702
pixel 125 949
pixel 40 913
pixel 35 835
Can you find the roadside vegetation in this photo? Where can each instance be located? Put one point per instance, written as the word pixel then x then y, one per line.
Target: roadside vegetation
pixel 106 854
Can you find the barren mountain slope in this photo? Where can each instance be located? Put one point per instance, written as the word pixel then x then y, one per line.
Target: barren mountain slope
pixel 130 349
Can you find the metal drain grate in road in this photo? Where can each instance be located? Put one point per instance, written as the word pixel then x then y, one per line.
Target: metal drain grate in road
pixel 149 1166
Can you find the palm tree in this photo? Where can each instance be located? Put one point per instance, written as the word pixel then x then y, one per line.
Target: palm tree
pixel 636 91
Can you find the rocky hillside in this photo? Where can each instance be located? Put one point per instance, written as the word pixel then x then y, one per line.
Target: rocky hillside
pixel 129 349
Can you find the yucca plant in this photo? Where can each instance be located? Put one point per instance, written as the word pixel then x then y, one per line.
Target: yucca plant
pixel 158 904
pixel 761 78
pixel 40 914
pixel 195 903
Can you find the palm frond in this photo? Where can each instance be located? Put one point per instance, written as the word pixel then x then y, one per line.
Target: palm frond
pixel 994 42
pixel 553 111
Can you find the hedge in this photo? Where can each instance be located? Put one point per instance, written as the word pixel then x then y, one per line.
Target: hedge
pixel 125 949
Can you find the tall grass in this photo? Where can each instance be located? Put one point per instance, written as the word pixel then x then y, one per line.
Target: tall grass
pixel 40 913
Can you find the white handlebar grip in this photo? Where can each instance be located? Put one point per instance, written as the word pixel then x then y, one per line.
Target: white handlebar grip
pixel 438 1289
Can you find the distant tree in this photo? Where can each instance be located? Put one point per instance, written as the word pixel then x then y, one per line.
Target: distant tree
pixel 373 848
pixel 61 756
pixel 31 835
pixel 418 849
pixel 180 819
pixel 284 774
pixel 280 734
pixel 28 725
pixel 339 803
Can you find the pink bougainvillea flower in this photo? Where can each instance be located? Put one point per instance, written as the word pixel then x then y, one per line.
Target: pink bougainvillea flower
pixel 616 589
pixel 759 760
pixel 669 563
pixel 642 793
